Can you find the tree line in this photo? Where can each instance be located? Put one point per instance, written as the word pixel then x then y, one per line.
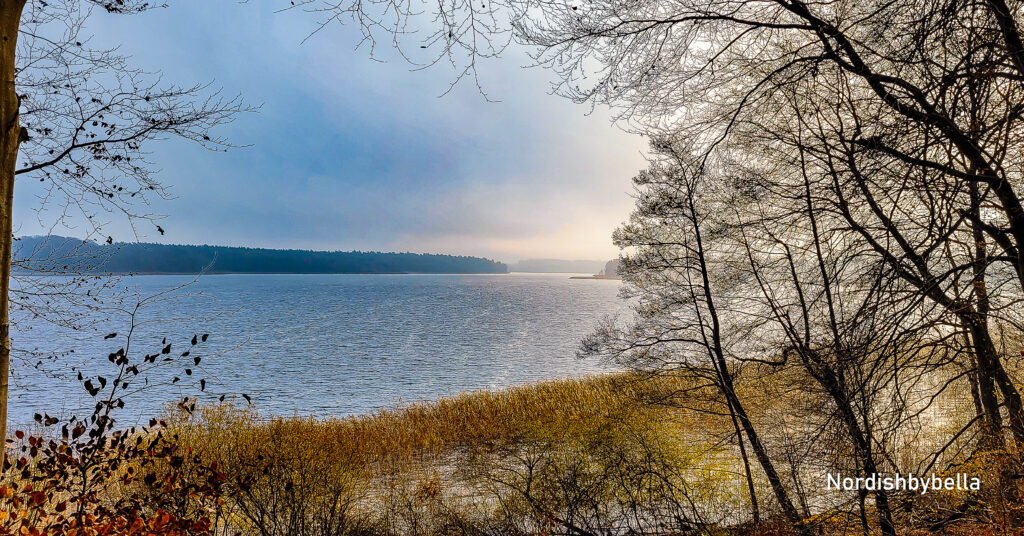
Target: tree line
pixel 54 254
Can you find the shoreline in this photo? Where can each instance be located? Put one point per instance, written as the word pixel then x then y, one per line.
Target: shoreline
pixel 254 273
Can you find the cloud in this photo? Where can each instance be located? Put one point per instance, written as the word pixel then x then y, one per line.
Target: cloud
pixel 351 153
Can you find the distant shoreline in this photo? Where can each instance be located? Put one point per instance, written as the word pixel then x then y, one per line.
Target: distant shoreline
pixel 65 254
pixel 30 272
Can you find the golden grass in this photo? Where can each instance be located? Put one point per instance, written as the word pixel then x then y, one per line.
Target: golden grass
pixel 515 460
pixel 551 409
pixel 462 456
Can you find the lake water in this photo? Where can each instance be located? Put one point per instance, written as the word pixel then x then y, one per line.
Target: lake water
pixel 326 345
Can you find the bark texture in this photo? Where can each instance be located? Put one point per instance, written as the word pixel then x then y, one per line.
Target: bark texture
pixel 10 138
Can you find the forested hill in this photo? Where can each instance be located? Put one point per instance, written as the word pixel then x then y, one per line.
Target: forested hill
pixel 56 253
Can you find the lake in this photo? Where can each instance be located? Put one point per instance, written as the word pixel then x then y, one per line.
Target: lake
pixel 323 345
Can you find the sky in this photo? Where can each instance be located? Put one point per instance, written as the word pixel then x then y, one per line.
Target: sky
pixel 349 153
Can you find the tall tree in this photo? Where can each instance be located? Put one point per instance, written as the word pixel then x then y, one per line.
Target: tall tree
pixel 11 136
pixel 77 118
pixel 684 324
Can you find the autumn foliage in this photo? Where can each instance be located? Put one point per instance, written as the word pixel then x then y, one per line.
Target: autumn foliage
pixel 91 477
pixel 91 483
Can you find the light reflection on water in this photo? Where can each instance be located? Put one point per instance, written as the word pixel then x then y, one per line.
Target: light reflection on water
pixel 331 345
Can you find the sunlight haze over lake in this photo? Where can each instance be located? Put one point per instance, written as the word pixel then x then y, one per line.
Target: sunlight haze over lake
pixel 351 153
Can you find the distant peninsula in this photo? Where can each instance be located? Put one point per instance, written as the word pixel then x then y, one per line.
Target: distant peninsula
pixel 63 254
pixel 610 271
pixel 556 266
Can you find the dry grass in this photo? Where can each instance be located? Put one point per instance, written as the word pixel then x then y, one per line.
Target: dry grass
pixel 608 453
pixel 567 452
pixel 551 409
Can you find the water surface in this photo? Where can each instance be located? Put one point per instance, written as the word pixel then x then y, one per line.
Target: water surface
pixel 330 345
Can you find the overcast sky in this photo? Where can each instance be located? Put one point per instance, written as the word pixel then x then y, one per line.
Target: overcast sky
pixel 349 153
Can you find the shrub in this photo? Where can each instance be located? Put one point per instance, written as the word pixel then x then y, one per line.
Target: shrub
pixel 92 479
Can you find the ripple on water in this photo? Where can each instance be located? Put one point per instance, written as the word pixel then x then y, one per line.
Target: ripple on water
pixel 331 345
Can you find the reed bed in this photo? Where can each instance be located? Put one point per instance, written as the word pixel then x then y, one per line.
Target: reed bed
pixel 620 453
pixel 571 452
pixel 563 408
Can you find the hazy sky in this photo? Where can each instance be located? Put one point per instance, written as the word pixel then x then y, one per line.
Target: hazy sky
pixel 350 153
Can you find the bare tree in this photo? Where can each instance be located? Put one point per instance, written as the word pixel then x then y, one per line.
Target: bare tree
pixel 78 118
pixel 742 265
pixel 928 94
pixel 682 308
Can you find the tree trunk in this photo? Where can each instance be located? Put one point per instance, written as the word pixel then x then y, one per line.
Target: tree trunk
pixel 10 138
pixel 983 345
pixel 984 352
pixel 972 381
pixel 1011 397
pixel 755 510
pixel 725 385
pixel 835 384
pixel 761 453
